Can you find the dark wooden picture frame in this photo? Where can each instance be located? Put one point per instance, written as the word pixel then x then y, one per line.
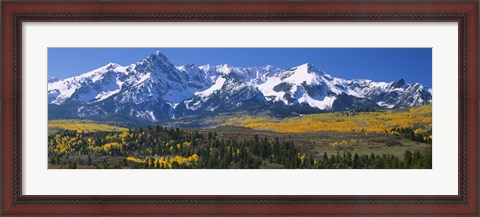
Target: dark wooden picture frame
pixel 14 13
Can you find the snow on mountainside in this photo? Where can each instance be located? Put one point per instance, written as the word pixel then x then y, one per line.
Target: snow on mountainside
pixel 303 84
pixel 97 84
pixel 153 89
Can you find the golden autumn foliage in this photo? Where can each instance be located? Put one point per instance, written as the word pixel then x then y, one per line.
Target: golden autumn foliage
pixel 64 145
pixel 112 145
pixel 82 126
pixel 419 118
pixel 167 162
pixel 136 160
pixel 301 157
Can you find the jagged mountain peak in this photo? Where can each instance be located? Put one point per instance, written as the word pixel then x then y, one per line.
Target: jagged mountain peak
pixel 111 65
pixel 188 66
pixel 155 59
pixel 206 67
pixel 153 89
pixel 190 69
pixel 101 70
pixel 269 67
pixel 399 83
pixel 224 69
pixel 308 67
pixel 305 73
pixel 157 54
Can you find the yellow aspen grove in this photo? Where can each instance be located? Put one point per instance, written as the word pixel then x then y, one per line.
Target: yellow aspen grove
pixel 336 121
pixel 136 160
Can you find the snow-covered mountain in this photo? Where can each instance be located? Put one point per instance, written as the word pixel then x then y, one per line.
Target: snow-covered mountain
pixel 154 90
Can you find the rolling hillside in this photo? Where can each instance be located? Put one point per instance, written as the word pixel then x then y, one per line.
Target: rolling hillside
pixel 417 118
pixel 84 126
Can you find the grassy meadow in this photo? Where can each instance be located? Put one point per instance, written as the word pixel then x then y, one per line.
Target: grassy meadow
pixel 85 126
pixel 419 118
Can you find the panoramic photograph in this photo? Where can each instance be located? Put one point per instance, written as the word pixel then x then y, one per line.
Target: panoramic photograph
pixel 239 108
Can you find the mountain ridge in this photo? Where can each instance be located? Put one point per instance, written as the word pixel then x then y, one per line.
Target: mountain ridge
pixel 154 90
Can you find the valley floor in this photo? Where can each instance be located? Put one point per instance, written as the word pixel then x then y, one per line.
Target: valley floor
pixel 391 139
pixel 234 147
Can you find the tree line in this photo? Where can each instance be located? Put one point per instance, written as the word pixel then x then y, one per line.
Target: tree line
pixel 173 148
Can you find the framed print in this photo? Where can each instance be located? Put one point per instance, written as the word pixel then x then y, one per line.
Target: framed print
pixel 280 108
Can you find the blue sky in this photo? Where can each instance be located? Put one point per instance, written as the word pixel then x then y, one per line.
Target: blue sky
pixel 378 64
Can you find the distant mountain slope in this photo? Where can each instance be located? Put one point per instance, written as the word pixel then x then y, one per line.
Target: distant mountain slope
pixel 154 90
